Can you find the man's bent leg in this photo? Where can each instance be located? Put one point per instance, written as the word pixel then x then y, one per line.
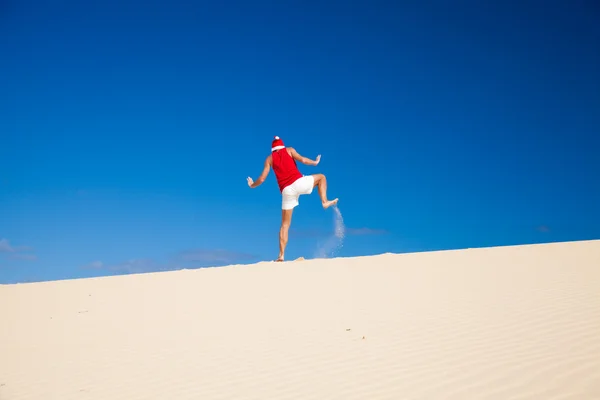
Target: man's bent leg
pixel 321 182
pixel 286 220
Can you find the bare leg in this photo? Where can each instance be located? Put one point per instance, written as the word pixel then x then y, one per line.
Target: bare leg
pixel 321 182
pixel 286 220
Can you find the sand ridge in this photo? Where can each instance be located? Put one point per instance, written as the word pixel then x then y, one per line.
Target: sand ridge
pixel 515 322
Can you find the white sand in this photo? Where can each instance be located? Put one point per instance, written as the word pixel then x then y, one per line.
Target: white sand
pixel 517 322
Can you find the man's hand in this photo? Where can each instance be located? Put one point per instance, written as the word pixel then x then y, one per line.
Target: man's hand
pixel 302 159
pixel 263 175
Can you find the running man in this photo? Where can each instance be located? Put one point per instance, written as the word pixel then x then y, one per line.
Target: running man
pixel 291 183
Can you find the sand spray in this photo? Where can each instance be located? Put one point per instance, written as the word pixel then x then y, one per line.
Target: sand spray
pixel 336 241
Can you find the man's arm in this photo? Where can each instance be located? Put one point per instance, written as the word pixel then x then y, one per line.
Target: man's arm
pixel 304 160
pixel 262 176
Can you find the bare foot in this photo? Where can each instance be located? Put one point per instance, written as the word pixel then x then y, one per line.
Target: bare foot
pixel 279 259
pixel 330 203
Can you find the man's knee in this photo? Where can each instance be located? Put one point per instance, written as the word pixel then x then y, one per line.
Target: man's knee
pixel 318 178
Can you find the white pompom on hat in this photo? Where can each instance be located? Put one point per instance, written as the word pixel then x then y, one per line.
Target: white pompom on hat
pixel 277 144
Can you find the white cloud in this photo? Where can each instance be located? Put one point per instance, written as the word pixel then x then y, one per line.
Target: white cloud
pixel 25 257
pixel 5 246
pixel 94 265
pixel 366 231
pixel 193 258
pixel 16 252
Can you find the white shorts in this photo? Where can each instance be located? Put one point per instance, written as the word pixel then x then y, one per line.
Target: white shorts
pixel 291 193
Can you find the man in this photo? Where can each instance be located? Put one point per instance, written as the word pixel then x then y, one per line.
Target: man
pixel 291 183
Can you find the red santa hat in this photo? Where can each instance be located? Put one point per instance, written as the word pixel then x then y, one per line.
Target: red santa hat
pixel 277 144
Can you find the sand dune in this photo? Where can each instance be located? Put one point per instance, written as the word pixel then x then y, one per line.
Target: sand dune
pixel 518 322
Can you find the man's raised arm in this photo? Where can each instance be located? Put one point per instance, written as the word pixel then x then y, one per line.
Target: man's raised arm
pixel 304 160
pixel 262 176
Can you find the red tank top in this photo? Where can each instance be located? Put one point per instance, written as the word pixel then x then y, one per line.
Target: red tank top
pixel 285 168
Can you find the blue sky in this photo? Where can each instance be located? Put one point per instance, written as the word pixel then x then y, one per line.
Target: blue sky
pixel 128 129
